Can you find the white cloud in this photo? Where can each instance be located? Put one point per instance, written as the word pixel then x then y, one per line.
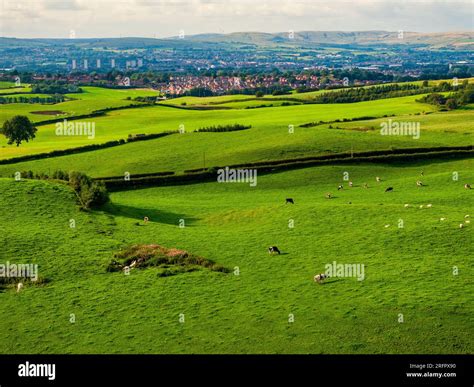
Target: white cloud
pixel 105 18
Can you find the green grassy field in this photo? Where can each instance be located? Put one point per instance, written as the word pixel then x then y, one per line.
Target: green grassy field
pixel 269 124
pixel 265 141
pixel 92 98
pixel 272 305
pixel 408 270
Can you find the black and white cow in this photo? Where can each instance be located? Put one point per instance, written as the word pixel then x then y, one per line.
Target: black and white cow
pixel 273 250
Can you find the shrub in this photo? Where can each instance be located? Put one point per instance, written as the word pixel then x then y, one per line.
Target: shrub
pixel 90 193
pixel 223 128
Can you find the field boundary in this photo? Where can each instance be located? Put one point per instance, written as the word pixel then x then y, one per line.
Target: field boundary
pixel 200 175
pixel 85 148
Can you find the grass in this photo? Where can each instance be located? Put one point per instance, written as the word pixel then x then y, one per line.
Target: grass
pixel 92 98
pixel 268 125
pixel 408 270
pixel 265 141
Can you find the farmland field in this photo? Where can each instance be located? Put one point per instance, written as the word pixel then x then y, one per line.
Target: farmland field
pixel 266 122
pixel 412 297
pixel 408 270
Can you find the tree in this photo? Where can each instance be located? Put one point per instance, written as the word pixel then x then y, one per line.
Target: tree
pixel 18 129
pixel 259 94
pixel 89 193
pixel 451 104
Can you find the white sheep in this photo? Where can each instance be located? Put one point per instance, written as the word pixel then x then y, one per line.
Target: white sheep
pixel 320 277
pixel 19 287
pixel 407 205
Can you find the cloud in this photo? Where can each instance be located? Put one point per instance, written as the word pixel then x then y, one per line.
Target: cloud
pixel 161 18
pixel 63 5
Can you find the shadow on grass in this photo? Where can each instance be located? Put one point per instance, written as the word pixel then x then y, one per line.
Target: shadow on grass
pixel 154 215
pixel 331 281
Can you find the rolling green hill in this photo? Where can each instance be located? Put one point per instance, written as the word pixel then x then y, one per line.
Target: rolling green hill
pixel 266 123
pixel 408 270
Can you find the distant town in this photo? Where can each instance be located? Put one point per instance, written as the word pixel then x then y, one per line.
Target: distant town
pixel 177 67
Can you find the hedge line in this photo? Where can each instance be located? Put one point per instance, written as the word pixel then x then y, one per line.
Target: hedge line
pixel 137 175
pixel 192 107
pixel 363 118
pixel 223 128
pixel 72 118
pixel 95 113
pixel 82 149
pixel 202 175
pixel 144 137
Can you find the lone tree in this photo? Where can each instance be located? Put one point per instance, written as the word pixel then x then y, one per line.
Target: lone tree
pixel 18 129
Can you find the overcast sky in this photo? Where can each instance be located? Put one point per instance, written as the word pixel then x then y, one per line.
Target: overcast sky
pixel 163 18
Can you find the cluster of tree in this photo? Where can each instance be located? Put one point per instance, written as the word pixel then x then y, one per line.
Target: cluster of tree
pixel 438 71
pixel 452 101
pixel 55 87
pixel 358 94
pixel 89 193
pixel 150 99
pixel 199 92
pixel 52 99
pixel 223 128
pixel 357 74
pixel 275 89
pixel 18 129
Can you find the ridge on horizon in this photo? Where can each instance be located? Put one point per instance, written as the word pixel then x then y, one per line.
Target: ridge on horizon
pixel 252 32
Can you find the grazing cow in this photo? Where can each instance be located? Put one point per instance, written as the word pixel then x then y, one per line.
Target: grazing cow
pixel 378 179
pixel 19 286
pixel 328 196
pixel 273 250
pixel 388 189
pixel 467 186
pixel 289 200
pixel 339 187
pixel 146 219
pixel 320 277
pixel 419 183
